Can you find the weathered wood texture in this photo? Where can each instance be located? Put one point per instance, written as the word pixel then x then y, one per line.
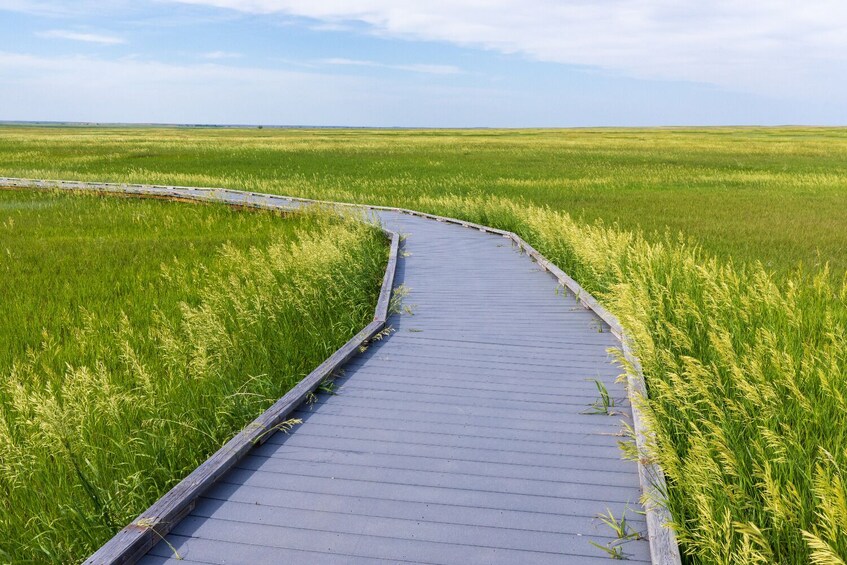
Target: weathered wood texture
pixel 461 437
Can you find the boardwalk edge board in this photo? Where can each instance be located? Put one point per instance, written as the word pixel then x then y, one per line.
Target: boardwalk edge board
pixel 136 539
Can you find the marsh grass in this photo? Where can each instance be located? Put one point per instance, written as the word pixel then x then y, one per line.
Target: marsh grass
pixel 744 351
pixel 142 335
pixel 770 194
pixel 622 531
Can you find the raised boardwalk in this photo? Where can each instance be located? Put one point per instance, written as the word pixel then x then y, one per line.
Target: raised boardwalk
pixel 464 436
pixel 460 438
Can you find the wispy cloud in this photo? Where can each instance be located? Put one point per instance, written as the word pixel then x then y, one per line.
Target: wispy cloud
pixel 83 88
pixel 80 36
pixel 63 8
pixel 414 68
pixel 766 46
pixel 95 89
pixel 221 55
pixel 125 89
pixel 34 7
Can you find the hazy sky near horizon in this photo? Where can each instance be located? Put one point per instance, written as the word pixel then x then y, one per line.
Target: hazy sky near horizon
pixel 425 63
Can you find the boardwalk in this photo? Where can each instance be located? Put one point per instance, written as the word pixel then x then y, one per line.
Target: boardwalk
pixel 461 438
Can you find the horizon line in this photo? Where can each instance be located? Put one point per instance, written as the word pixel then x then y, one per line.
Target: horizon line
pixel 177 125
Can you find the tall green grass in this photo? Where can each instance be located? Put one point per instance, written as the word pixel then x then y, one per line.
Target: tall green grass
pixel 770 194
pixel 744 353
pixel 166 328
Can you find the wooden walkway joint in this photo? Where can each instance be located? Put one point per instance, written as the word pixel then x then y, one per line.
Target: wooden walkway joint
pixel 465 436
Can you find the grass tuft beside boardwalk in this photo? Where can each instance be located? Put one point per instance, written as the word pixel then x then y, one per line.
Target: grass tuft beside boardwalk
pixel 140 335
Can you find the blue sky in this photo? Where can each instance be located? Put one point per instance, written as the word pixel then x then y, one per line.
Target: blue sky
pixel 433 63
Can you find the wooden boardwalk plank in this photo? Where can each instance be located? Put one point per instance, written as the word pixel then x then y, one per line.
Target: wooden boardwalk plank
pixel 371 540
pixel 410 510
pixel 462 437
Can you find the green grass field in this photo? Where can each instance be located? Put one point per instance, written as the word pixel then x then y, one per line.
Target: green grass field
pixel 745 355
pixel 71 260
pixel 775 195
pixel 140 335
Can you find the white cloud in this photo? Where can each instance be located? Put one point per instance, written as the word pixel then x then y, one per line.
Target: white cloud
pixel 32 7
pixel 415 68
pixel 220 55
pixel 61 9
pixel 91 89
pixel 770 46
pixel 79 36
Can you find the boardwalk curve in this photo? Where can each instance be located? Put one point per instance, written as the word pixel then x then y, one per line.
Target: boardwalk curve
pixel 463 436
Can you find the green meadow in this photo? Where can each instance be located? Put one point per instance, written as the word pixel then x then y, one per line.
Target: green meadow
pixel 722 250
pixel 770 194
pixel 140 335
